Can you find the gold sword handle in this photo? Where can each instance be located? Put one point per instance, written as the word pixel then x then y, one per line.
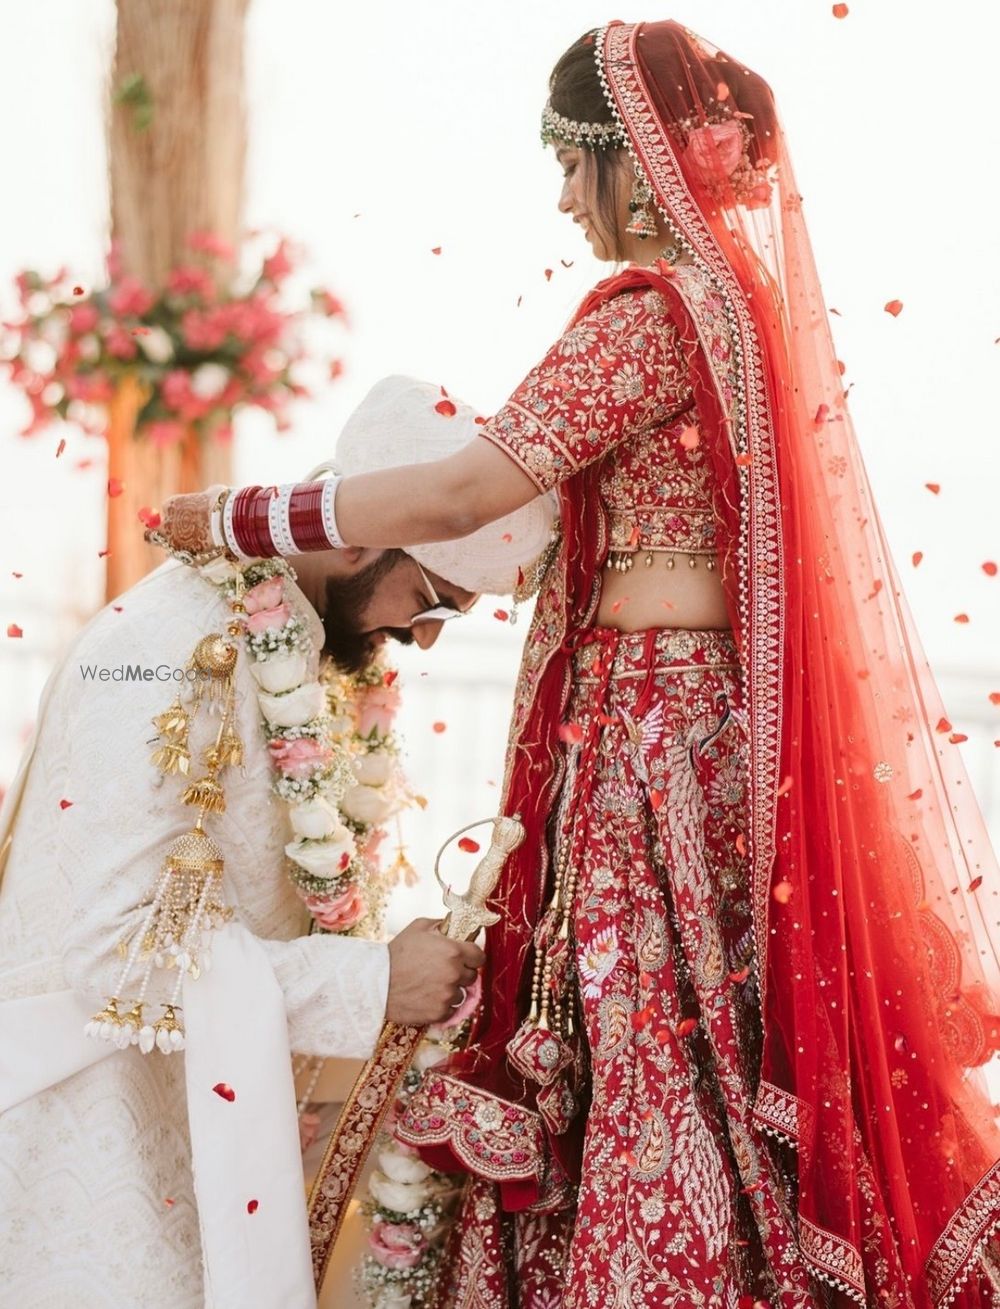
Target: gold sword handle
pixel 468 913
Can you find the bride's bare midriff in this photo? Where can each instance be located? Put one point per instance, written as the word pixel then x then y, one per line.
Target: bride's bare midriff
pixel 663 597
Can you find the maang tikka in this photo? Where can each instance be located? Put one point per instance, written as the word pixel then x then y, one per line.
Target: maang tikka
pixel 643 220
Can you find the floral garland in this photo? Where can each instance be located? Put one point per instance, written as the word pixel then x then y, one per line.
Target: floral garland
pixel 331 743
pixel 337 767
pixel 200 348
pixel 411 1206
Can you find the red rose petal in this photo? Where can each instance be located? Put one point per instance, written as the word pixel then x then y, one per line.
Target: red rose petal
pixel 148 517
pixel 571 733
pixel 548 274
pixel 894 307
pixel 65 804
pixel 744 461
pixel 942 725
pixel 103 554
pixel 446 407
pixel 389 676
pixel 17 574
pixel 785 786
pixel 253 1206
pixel 917 556
pixel 915 795
pixel 782 892
pixel 60 447
pixel 740 974
pixel 957 738
pixel 439 727
pixel 686 1026
pixel 468 845
pixel 690 438
pixel 78 290
pixel 501 615
pixel 933 487
pixel 990 568
pixel 995 697
pixel 840 11
pixel 119 609
pixel 436 250
pixel 224 1091
pixel 656 798
pixel 821 413
pixel 115 487
pixel 975 884
pixel 14 632
pixel 642 1018
pixel 961 618
pixel 506 539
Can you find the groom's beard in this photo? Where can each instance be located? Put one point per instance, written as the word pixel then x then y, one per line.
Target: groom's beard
pixel 346 641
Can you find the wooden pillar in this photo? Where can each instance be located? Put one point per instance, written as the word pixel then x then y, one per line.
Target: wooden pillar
pixel 177 147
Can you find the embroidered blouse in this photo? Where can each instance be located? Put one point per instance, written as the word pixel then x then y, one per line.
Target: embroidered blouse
pixel 615 388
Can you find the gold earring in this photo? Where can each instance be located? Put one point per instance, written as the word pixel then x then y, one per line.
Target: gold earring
pixel 643 221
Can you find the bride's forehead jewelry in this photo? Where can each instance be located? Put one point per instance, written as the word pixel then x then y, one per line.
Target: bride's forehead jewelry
pixel 589 136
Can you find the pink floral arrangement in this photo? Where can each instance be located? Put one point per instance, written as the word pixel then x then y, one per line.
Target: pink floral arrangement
pixel 199 349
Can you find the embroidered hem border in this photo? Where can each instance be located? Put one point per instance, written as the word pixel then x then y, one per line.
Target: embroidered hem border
pixel 836 1261
pixel 353 1137
pixel 782 1114
pixel 955 1251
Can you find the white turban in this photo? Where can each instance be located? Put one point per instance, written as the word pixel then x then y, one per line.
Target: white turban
pixel 398 422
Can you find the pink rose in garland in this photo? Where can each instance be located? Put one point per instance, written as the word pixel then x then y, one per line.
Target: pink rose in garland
pixel 397 1245
pixel 265 595
pixel 300 758
pixel 340 912
pixel 265 606
pixel 377 707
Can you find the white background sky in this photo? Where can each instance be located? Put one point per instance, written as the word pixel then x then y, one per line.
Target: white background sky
pixel 383 129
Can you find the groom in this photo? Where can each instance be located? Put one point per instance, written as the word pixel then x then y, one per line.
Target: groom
pixel 122 1173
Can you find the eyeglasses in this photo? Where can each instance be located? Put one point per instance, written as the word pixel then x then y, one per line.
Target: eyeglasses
pixel 439 612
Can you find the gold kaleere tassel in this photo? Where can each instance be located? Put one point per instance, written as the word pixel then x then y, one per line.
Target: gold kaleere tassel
pixel 187 901
pixel 172 757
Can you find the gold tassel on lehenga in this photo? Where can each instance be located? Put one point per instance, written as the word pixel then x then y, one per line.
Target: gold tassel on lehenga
pixel 187 901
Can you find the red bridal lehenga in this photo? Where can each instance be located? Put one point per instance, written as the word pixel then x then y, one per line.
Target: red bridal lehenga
pixel 747 972
pixel 746 976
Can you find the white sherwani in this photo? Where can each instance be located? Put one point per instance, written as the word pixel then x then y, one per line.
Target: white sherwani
pixel 98 1205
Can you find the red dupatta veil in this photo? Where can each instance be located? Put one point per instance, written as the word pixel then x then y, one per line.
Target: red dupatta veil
pixel 875 888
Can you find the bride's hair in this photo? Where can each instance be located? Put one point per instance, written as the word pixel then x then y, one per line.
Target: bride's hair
pixel 575 92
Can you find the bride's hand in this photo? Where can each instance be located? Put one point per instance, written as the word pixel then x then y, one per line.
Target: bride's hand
pixel 187 520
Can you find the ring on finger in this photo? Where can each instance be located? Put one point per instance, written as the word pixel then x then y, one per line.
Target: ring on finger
pixel 461 999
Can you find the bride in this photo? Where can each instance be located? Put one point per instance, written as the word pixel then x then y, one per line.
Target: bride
pixel 746 971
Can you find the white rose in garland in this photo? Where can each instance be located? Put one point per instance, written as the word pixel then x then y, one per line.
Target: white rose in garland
pixel 401 1164
pixel 374 768
pixel 280 673
pixel 315 819
pixel 293 708
pixel 369 805
pixel 327 858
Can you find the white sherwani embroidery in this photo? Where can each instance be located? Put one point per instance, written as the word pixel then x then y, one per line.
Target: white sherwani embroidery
pixel 97 1202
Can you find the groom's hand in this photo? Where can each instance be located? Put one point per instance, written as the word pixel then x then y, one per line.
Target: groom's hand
pixel 427 974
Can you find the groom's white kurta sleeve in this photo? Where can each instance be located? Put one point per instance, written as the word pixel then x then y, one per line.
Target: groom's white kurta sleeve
pixel 122 817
